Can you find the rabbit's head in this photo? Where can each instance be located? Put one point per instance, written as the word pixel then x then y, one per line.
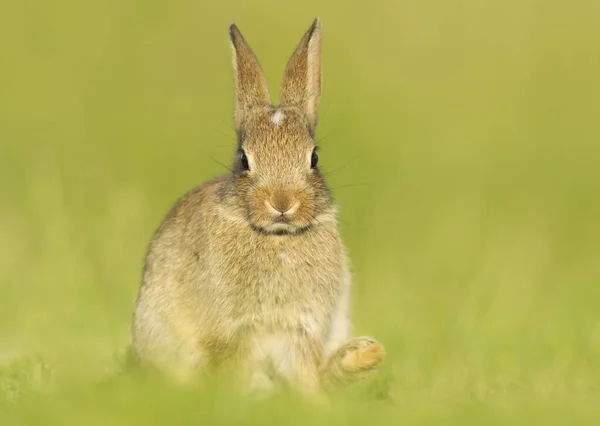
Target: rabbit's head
pixel 276 180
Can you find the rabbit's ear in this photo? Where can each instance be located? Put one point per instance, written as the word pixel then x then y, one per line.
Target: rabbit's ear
pixel 302 78
pixel 250 84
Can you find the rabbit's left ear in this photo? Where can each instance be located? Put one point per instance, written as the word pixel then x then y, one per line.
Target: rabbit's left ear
pixel 301 85
pixel 251 87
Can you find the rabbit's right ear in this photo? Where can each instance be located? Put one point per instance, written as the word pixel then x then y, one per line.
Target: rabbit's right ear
pixel 250 84
pixel 301 85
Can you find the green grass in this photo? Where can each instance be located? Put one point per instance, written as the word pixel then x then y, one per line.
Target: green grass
pixel 464 143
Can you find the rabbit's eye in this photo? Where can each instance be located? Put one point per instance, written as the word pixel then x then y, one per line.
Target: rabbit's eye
pixel 244 161
pixel 314 159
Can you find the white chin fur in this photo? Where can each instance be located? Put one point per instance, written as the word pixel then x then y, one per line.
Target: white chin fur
pixel 281 227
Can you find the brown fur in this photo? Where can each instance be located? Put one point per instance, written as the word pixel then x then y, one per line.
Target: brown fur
pixel 248 269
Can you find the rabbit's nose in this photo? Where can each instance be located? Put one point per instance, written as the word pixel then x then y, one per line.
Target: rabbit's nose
pixel 282 203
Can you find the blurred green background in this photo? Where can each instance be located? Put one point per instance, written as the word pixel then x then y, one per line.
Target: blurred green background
pixel 462 139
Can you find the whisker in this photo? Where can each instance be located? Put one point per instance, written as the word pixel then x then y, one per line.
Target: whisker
pixel 221 146
pixel 324 115
pixel 343 221
pixel 320 140
pixel 229 137
pixel 327 173
pixel 219 163
pixel 228 124
pixel 350 186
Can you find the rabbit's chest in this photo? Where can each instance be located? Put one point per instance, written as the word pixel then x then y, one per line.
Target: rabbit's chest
pixel 282 281
pixel 284 285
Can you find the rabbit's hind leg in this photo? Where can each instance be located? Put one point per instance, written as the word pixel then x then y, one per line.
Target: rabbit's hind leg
pixel 357 359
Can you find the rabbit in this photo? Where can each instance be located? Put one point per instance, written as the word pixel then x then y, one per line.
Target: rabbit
pixel 248 269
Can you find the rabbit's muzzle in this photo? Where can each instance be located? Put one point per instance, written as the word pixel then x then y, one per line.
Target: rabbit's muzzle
pixel 280 210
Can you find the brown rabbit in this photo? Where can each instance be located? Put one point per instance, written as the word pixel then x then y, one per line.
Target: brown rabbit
pixel 249 268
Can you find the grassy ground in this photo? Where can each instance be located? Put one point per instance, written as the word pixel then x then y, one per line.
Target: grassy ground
pixel 462 138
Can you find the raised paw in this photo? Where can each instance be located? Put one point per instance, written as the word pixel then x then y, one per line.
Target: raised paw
pixel 355 360
pixel 362 355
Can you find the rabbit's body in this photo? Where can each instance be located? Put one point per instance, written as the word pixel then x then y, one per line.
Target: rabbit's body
pixel 252 304
pixel 249 268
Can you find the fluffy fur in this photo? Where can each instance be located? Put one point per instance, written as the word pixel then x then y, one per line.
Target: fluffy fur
pixel 248 269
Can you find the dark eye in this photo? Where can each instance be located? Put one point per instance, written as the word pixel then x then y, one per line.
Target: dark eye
pixel 314 159
pixel 244 161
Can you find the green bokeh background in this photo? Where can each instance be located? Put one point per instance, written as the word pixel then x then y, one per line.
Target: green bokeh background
pixel 462 139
